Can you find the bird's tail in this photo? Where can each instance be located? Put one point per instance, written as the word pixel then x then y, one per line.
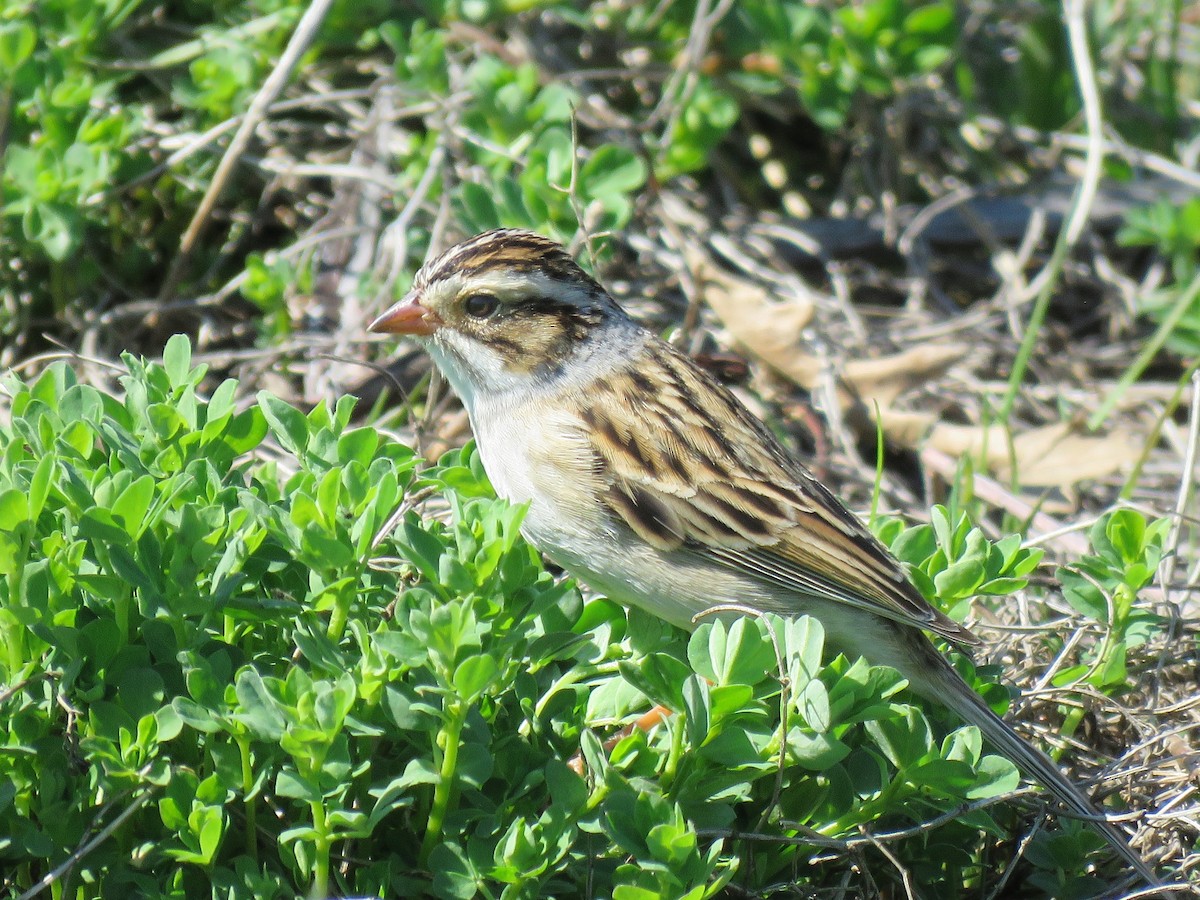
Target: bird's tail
pixel 943 684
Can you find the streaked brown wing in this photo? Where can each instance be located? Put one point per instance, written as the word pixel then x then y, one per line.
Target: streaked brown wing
pixel 687 467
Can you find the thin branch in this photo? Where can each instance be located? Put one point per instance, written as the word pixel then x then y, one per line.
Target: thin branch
pixel 302 37
pixel 83 850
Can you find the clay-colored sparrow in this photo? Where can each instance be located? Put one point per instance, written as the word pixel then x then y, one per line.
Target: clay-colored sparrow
pixel 653 484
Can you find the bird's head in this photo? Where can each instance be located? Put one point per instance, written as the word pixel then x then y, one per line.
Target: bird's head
pixel 502 309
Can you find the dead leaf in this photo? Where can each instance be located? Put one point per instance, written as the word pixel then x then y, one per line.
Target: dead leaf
pixel 773 332
pixel 1049 456
pixel 885 378
pixel 769 329
pixel 1057 455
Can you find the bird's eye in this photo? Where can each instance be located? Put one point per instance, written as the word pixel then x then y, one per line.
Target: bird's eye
pixel 480 306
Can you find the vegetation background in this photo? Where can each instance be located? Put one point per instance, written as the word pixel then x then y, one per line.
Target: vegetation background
pixel 259 641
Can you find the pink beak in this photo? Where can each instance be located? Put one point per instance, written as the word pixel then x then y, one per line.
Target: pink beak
pixel 407 317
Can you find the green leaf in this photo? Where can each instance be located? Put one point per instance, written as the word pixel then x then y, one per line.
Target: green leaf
pixel 610 171
pixel 289 783
pixel 478 207
pixel 474 676
pixel 209 824
pixel 223 400
pixel 933 19
pixel 815 752
pixel 671 845
pixel 706 646
pixel 287 423
pixel 39 484
pixel 257 709
pixel 177 360
pixel 904 738
pixel 167 421
pixel 813 705
pixel 423 550
pixel 1113 671
pixel 246 431
pixel 14 509
pixel 1002 586
pixel 634 892
pixel 995 777
pixel 1126 530
pixel 329 493
pixel 915 545
pixel 568 790
pixel 1026 561
pixel 592 750
pixel 959 580
pixel 804 643
pixel 358 445
pixel 454 875
pixel 659 676
pixel 133 504
pixel 17 40
pixel 741 655
pixel 1083 595
pixel 195 715
pixel 625 826
pixel 697 709
pixel 53 228
pixel 940 519
pixel 950 777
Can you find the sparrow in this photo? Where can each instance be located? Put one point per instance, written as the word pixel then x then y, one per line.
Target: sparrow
pixel 652 483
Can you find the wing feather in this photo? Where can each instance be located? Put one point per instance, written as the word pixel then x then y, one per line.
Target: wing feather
pixel 687 467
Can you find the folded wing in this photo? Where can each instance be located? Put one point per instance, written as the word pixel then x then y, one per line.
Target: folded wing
pixel 687 467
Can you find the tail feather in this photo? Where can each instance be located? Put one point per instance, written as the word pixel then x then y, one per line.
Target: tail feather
pixel 950 690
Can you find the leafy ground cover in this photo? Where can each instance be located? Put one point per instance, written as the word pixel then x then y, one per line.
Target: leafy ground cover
pixel 259 640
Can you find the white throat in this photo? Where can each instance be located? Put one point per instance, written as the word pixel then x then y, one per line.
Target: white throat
pixel 488 387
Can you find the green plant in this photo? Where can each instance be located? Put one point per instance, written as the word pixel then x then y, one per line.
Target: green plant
pixel 212 647
pixel 951 560
pixel 1103 586
pixel 212 657
pixel 80 210
pixel 521 137
pixel 832 55
pixel 1173 229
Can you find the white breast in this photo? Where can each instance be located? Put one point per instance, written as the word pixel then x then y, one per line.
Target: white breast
pixel 529 436
pixel 534 450
pixel 539 457
pixel 536 456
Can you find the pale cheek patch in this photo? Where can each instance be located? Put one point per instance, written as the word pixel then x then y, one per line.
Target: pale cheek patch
pixel 468 362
